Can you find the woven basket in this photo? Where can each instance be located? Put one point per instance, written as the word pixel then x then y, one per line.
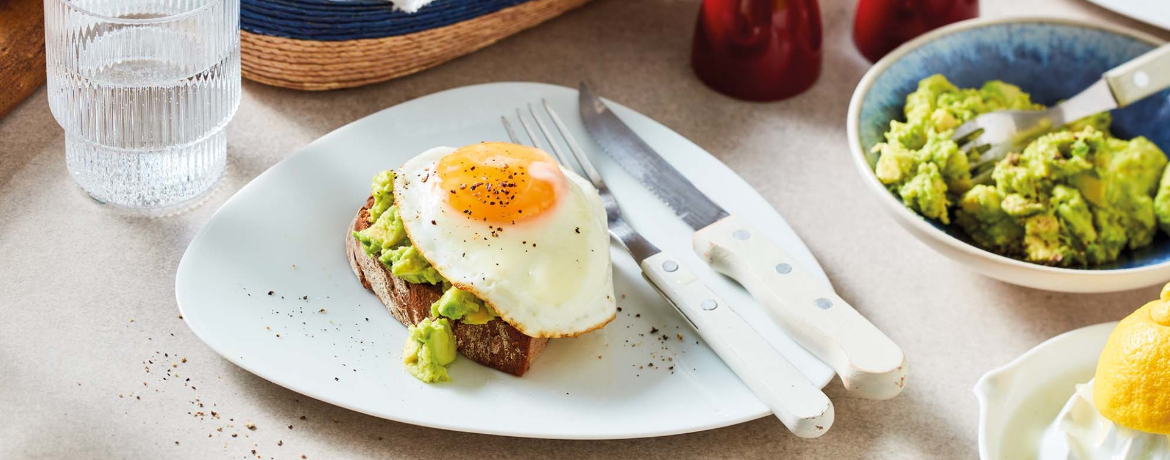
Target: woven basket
pixel 330 44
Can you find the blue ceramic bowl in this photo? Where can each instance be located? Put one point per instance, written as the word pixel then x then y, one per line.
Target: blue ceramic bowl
pixel 1053 59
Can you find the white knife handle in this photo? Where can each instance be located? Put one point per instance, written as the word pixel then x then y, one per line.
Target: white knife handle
pixel 1140 77
pixel 869 363
pixel 800 405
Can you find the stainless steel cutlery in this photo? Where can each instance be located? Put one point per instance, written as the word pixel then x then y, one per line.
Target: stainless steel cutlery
pixel 869 363
pixel 995 134
pixel 800 405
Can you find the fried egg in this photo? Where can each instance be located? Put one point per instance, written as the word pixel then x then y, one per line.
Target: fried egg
pixel 506 223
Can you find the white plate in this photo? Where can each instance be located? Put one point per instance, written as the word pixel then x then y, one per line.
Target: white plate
pixel 284 232
pixel 1018 401
pixel 1153 12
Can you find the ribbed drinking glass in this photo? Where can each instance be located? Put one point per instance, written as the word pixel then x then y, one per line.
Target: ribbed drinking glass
pixel 143 90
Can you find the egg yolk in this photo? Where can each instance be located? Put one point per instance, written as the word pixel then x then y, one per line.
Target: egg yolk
pixel 499 182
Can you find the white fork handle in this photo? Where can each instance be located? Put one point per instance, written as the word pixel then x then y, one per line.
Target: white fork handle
pixel 869 363
pixel 800 405
pixel 1141 77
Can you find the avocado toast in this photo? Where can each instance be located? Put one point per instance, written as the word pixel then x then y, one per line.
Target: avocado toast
pixel 490 250
pixel 495 344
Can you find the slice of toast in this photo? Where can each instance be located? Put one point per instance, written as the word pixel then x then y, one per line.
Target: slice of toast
pixel 496 344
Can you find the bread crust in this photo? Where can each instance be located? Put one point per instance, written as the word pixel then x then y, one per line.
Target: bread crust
pixel 496 344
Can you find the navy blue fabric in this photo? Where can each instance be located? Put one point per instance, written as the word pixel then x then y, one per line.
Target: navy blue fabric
pixel 1051 61
pixel 336 20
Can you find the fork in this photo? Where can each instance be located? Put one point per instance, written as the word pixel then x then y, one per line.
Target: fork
pixel 995 134
pixel 800 405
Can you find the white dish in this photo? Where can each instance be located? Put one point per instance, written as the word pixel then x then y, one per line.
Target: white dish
pixel 1018 401
pixel 1153 12
pixel 284 232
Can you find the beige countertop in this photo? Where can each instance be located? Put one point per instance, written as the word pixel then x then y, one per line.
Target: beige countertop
pixel 87 297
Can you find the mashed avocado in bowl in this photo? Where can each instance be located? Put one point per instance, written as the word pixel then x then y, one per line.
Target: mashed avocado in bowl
pixel 1075 197
pixel 1040 221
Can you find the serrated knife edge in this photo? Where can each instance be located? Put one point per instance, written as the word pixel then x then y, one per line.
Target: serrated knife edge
pixel 625 147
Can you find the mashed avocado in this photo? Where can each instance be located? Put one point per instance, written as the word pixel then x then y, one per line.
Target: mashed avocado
pixel 919 162
pixel 458 304
pixel 385 233
pixel 429 349
pixel 383 192
pixel 386 238
pixel 1073 197
pixel 431 345
pixel 407 263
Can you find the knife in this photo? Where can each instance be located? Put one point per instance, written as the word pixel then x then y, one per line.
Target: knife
pixel 800 405
pixel 870 364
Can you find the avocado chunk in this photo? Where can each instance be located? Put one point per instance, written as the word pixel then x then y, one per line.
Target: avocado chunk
pixel 382 190
pixel 429 349
pixel 464 306
pixel 386 232
pixel 927 193
pixel 407 263
pixel 981 215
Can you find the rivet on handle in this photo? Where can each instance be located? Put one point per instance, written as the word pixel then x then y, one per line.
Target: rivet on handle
pixel 783 269
pixel 823 303
pixel 1141 79
pixel 670 266
pixel 741 234
pixel 708 304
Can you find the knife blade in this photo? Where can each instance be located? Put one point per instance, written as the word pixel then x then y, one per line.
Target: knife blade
pixel 646 165
pixel 870 364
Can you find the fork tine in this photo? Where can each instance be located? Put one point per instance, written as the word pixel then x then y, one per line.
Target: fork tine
pixel 980 152
pixel 527 128
pixel 967 132
pixel 980 149
pixel 548 136
pixel 508 127
pixel 578 153
pixel 982 167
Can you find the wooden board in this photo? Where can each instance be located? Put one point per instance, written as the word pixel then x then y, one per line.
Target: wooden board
pixel 22 51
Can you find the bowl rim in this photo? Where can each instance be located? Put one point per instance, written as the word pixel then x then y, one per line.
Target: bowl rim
pixel 896 207
pixel 985 388
pixel 107 18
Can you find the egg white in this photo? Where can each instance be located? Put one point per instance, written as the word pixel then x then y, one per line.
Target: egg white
pixel 549 276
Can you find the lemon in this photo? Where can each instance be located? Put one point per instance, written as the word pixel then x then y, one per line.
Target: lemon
pixel 1132 385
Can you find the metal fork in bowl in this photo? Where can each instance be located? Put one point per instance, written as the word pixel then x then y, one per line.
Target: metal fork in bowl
pixel 995 134
pixel 800 405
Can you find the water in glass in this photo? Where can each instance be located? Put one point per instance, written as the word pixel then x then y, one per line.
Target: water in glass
pixel 143 90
